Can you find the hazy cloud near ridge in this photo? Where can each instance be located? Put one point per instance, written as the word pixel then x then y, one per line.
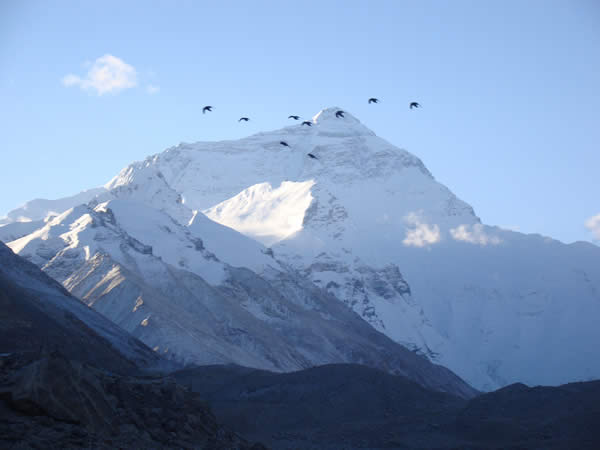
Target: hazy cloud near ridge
pixel 108 74
pixel 593 224
pixel 474 235
pixel 420 234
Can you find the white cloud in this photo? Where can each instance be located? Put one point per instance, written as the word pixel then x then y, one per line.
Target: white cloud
pixel 474 235
pixel 108 74
pixel 420 234
pixel 152 89
pixel 593 224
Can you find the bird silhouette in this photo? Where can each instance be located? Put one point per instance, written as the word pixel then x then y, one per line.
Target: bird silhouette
pixel 414 105
pixel 206 108
pixel 285 144
pixel 306 122
pixel 339 114
pixel 312 156
pixel 373 100
pixel 294 117
pixel 245 119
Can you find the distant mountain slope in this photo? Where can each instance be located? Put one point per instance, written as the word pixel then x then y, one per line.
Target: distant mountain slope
pixel 14 230
pixel 40 208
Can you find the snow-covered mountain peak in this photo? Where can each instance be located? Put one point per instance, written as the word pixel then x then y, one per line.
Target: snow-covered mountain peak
pixel 335 176
pixel 357 216
pixel 329 123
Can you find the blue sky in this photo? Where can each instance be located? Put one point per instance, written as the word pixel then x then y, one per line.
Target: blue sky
pixel 510 91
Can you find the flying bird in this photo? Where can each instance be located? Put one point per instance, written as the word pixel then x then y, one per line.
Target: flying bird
pixel 339 114
pixel 206 108
pixel 285 144
pixel 294 117
pixel 245 119
pixel 414 105
pixel 312 156
pixel 306 122
pixel 373 100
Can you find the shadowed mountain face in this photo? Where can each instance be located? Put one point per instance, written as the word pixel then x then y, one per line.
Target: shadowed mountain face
pixel 351 406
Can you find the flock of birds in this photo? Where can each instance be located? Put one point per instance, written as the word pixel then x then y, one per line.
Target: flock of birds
pixel 339 114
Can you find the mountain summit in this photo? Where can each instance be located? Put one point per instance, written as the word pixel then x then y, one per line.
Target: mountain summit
pixel 366 222
pixel 328 124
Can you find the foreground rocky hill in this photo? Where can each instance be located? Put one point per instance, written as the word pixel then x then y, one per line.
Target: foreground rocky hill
pixel 350 406
pixel 54 402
